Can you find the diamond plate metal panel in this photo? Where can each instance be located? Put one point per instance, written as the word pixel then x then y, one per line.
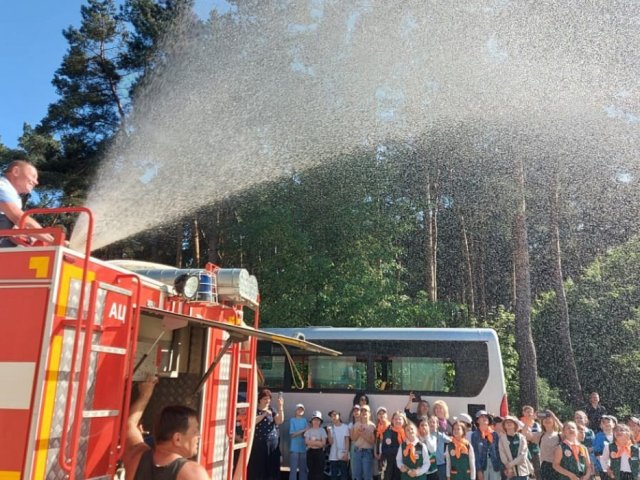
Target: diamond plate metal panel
pixel 53 469
pixel 74 300
pixel 172 391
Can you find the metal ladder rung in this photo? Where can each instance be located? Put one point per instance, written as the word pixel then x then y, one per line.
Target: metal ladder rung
pixel 100 413
pixel 246 365
pixel 109 350
pixel 114 288
pixel 238 446
pixel 243 405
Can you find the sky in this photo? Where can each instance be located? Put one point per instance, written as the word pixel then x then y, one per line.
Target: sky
pixel 31 50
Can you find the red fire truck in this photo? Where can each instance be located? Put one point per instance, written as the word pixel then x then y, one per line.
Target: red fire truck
pixel 76 332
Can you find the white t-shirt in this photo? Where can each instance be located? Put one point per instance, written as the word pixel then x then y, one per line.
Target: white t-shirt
pixel 339 446
pixel 8 194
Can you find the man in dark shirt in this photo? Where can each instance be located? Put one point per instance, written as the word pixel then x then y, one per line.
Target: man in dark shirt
pixel 177 434
pixel 594 411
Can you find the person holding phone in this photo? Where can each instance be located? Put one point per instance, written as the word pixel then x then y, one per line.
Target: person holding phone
pixel 264 462
pixel 547 439
pixel 422 408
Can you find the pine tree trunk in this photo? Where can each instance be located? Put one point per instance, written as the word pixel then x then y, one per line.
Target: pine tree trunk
pixel 481 288
pixel 196 241
pixel 431 220
pixel 179 245
pixel 528 369
pixel 470 297
pixel 568 367
pixel 212 240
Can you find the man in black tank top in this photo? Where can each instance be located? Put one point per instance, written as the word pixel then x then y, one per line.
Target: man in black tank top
pixel 148 470
pixel 177 434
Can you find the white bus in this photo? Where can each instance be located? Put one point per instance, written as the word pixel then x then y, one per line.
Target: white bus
pixel 461 366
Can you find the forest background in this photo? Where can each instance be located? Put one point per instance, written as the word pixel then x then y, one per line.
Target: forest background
pixel 456 228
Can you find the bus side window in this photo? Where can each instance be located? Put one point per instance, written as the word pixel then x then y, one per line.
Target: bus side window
pixel 272 369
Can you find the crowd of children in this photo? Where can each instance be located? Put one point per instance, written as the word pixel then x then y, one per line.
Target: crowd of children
pixel 405 445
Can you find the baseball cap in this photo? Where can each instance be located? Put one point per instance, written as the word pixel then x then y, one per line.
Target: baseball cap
pixel 317 414
pixel 484 413
pixel 299 405
pixel 381 409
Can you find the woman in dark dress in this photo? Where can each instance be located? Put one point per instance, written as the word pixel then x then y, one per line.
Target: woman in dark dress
pixel 264 462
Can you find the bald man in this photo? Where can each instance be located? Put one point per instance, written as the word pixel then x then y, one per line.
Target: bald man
pixel 19 178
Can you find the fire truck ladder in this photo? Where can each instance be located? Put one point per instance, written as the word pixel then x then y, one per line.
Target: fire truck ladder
pixel 242 349
pixel 76 411
pixel 243 361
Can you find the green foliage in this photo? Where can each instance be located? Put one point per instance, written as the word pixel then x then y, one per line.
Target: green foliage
pixel 329 254
pixel 92 102
pixel 553 399
pixel 503 322
pixel 149 21
pixel 604 305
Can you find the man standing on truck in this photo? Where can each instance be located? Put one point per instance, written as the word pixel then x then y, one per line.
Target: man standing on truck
pixel 177 434
pixel 20 178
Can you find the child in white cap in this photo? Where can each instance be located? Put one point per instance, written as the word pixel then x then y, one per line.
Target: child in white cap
pixel 316 439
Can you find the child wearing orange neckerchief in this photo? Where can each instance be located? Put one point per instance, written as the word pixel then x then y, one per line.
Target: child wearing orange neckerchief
pixel 571 459
pixel 412 459
pixel 621 458
pixel 484 441
pixel 461 462
pixel 387 443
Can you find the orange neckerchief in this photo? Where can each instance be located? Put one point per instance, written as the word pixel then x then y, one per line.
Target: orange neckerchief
pixel 622 448
pixel 487 434
pixel 400 433
pixel 410 451
pixel 461 446
pixel 382 427
pixel 576 448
